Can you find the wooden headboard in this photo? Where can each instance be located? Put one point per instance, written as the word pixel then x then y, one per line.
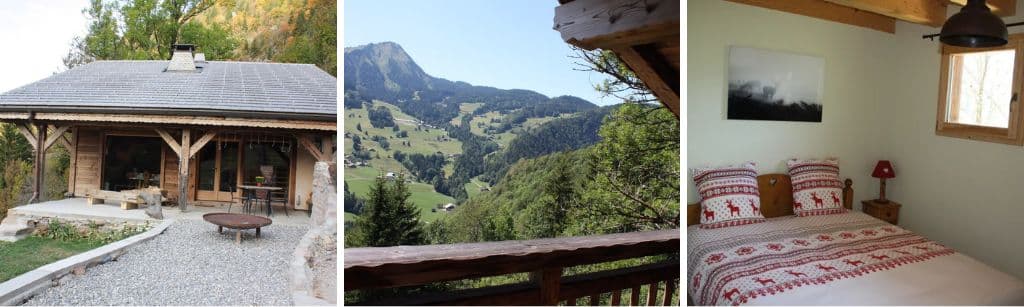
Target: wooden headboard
pixel 776 197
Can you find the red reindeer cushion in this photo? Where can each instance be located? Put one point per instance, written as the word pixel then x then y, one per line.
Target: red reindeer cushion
pixel 729 196
pixel 817 189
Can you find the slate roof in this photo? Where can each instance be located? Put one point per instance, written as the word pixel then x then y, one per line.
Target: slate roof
pixel 240 89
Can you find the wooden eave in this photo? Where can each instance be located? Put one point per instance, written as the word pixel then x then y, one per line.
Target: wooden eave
pixel 643 34
pixel 173 120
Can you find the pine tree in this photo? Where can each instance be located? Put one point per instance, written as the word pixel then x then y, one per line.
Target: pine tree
pixel 389 219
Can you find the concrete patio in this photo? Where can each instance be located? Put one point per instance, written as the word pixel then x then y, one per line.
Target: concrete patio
pixel 76 208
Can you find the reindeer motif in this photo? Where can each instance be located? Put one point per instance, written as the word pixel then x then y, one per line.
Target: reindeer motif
pixel 826 268
pixel 764 282
pixel 817 200
pixel 853 263
pixel 879 257
pixel 754 208
pixel 835 198
pixel 728 294
pixel 797 205
pixel 733 210
pixel 709 215
pixel 795 274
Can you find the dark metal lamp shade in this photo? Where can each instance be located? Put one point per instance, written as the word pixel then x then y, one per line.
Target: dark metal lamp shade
pixel 974 26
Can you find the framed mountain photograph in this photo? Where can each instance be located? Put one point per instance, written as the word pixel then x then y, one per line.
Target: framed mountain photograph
pixel 774 85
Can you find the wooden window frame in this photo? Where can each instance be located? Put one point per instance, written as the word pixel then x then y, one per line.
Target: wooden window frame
pixel 1013 134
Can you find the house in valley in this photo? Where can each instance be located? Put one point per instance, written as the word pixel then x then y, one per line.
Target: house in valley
pixel 196 129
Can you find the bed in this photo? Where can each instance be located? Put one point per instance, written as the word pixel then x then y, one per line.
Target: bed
pixel 837 259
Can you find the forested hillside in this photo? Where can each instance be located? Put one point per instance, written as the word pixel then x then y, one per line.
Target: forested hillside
pixel 290 31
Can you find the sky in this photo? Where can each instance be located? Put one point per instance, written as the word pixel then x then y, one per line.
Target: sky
pixel 37 35
pixel 500 43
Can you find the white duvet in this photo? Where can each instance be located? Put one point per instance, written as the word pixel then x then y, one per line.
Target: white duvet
pixel 840 259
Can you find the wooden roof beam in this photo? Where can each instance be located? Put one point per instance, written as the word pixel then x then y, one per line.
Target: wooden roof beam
pixel 1002 8
pixel 828 11
pixel 592 24
pixel 664 84
pixel 171 142
pixel 925 12
pixel 58 132
pixel 29 135
pixel 199 144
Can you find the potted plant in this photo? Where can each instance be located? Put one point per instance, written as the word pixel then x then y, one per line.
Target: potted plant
pixel 259 181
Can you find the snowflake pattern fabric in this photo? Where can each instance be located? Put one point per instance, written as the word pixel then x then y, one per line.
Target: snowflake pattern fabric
pixel 729 196
pixel 736 265
pixel 817 189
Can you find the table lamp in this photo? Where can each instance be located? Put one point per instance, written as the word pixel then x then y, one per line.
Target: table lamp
pixel 883 171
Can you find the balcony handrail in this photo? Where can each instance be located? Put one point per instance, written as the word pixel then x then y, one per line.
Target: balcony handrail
pixel 386 267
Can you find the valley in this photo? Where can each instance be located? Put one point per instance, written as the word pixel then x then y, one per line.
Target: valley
pixel 451 139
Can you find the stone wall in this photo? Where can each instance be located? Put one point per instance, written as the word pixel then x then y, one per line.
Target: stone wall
pixel 41 224
pixel 314 264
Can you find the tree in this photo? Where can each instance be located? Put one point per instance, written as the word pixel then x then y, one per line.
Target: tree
pixel 388 218
pixel 145 30
pixel 636 186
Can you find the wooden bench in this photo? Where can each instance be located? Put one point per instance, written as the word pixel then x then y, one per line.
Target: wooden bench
pixel 129 199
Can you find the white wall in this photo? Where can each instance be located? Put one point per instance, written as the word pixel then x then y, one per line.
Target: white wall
pixel 966 194
pixel 850 122
pixel 881 94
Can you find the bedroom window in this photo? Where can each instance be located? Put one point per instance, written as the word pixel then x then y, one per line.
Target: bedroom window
pixel 979 93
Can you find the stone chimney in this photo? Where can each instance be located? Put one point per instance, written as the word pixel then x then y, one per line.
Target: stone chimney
pixel 181 58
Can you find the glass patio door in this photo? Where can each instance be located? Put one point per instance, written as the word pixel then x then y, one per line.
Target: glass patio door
pixel 218 170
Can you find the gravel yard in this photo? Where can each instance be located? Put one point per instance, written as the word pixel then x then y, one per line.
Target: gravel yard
pixel 190 264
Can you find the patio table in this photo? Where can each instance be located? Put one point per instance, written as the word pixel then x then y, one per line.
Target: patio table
pixel 250 193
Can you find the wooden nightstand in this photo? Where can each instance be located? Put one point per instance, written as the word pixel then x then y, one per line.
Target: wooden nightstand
pixel 889 212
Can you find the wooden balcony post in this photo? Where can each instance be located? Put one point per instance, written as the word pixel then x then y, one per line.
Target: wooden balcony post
pixel 183 157
pixel 549 280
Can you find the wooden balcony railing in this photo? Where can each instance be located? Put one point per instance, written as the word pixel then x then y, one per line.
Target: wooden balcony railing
pixel 387 267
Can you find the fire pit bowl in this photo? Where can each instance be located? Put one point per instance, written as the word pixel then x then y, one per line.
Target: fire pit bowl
pixel 238 222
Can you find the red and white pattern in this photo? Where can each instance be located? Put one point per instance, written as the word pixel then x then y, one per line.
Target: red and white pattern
pixel 737 265
pixel 729 196
pixel 817 189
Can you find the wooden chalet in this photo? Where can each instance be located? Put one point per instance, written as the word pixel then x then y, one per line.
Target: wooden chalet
pixel 645 35
pixel 194 128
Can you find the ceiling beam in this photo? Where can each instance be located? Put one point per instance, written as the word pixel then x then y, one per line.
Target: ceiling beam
pixel 828 11
pixel 1002 8
pixel 925 12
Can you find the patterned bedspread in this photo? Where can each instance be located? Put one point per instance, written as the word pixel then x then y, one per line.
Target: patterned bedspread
pixel 738 265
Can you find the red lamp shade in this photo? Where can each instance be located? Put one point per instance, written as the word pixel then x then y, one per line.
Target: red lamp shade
pixel 883 170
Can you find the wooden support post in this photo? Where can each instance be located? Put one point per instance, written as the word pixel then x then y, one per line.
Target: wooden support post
pixel 72 146
pixel 549 280
pixel 327 147
pixel 39 165
pixel 183 159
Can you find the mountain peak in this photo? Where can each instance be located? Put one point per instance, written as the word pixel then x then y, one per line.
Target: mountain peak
pixel 384 66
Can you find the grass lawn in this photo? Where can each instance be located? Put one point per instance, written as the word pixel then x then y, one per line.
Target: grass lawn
pixel 423 195
pixel 473 186
pixel 30 253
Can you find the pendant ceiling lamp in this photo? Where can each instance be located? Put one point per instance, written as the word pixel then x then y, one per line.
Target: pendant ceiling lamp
pixel 974 26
